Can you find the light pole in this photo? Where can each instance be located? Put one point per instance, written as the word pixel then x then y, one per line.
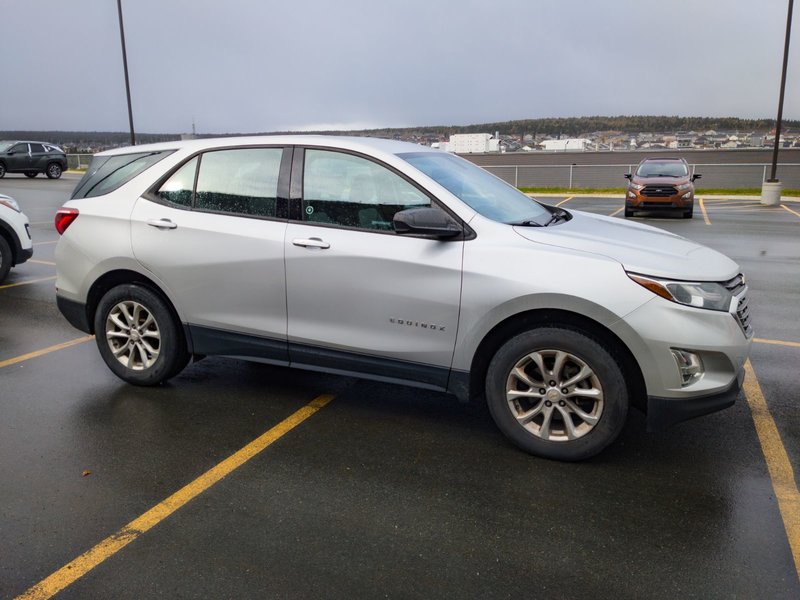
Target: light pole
pixel 771 188
pixel 125 68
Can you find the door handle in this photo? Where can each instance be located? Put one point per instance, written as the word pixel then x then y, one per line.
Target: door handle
pixel 313 242
pixel 162 223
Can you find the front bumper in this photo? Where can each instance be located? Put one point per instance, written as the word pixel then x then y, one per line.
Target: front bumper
pixel 642 202
pixel 24 254
pixel 665 412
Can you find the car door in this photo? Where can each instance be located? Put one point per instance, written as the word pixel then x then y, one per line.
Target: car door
pixel 362 298
pixel 18 157
pixel 38 160
pixel 213 232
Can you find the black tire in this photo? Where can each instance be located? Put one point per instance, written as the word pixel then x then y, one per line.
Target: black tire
pixel 172 355
pixel 687 214
pixel 610 414
pixel 2 170
pixel 53 170
pixel 6 258
pixel 31 174
pixel 628 213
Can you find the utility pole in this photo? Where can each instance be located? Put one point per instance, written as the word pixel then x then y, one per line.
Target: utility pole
pixel 125 68
pixel 771 189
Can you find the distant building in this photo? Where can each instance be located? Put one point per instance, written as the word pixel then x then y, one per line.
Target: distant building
pixel 472 143
pixel 566 145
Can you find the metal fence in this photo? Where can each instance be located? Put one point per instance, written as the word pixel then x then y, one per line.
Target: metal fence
pixel 78 161
pixel 715 176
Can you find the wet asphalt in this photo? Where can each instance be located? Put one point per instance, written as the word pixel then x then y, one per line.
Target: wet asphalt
pixel 388 491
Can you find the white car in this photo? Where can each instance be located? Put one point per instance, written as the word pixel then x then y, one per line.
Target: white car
pixel 15 237
pixel 396 262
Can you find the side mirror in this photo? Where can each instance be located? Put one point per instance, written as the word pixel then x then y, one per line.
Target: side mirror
pixel 628 175
pixel 426 221
pixel 696 176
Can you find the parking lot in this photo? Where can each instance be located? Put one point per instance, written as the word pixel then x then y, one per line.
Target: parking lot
pixel 241 480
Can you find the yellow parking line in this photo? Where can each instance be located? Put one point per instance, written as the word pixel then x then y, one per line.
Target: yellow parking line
pixel 734 205
pixel 41 243
pixel 778 465
pixel 87 561
pixel 41 262
pixel 777 342
pixel 18 359
pixel 565 200
pixel 790 210
pixel 10 285
pixel 705 214
pixel 616 212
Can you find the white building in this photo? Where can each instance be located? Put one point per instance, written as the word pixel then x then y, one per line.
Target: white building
pixel 571 145
pixel 470 143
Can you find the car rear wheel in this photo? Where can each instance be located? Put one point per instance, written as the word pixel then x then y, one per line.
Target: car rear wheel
pixel 31 174
pixel 53 171
pixel 138 336
pixel 557 393
pixel 5 258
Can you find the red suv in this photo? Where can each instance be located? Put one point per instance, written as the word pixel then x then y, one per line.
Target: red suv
pixel 659 184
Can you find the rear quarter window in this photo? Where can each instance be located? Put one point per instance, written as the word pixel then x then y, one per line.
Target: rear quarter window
pixel 107 173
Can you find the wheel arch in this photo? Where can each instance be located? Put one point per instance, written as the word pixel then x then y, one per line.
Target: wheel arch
pixel 549 317
pixel 117 277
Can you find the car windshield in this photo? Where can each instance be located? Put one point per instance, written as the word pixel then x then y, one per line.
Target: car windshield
pixel 5 146
pixel 486 194
pixel 671 168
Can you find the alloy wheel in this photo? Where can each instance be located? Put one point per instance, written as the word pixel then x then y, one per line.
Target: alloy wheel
pixel 555 395
pixel 133 335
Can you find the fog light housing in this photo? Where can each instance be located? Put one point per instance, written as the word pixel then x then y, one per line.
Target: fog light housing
pixel 686 196
pixel 631 195
pixel 690 366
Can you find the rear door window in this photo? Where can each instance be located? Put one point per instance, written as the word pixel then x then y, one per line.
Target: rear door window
pixel 179 188
pixel 242 181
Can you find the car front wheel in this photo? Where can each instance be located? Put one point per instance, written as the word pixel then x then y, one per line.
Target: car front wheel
pixel 557 393
pixel 2 170
pixel 138 337
pixel 5 258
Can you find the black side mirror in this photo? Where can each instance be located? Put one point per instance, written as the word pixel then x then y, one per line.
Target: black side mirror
pixel 426 221
pixel 696 176
pixel 628 175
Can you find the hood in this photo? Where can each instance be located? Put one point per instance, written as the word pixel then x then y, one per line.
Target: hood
pixel 660 180
pixel 639 248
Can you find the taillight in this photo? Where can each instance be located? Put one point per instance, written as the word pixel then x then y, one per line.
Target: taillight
pixel 64 218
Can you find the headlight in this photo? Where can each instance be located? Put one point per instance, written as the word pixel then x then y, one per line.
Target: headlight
pixel 684 186
pixel 10 203
pixel 706 294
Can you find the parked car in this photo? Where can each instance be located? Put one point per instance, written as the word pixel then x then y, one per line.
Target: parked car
pixel 15 237
pixel 661 184
pixel 391 261
pixel 32 158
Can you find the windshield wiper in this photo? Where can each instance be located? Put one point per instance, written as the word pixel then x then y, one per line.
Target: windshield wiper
pixel 528 223
pixel 558 214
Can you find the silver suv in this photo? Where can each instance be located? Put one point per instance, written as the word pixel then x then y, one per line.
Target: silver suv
pixel 395 262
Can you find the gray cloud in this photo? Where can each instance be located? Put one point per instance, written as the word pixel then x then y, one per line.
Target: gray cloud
pixel 247 65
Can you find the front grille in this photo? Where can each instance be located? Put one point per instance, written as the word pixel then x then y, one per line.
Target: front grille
pixel 738 288
pixel 659 191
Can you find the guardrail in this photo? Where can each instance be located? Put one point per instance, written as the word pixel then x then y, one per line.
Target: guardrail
pixel 715 175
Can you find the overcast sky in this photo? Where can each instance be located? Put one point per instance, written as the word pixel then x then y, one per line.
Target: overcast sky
pixel 263 65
